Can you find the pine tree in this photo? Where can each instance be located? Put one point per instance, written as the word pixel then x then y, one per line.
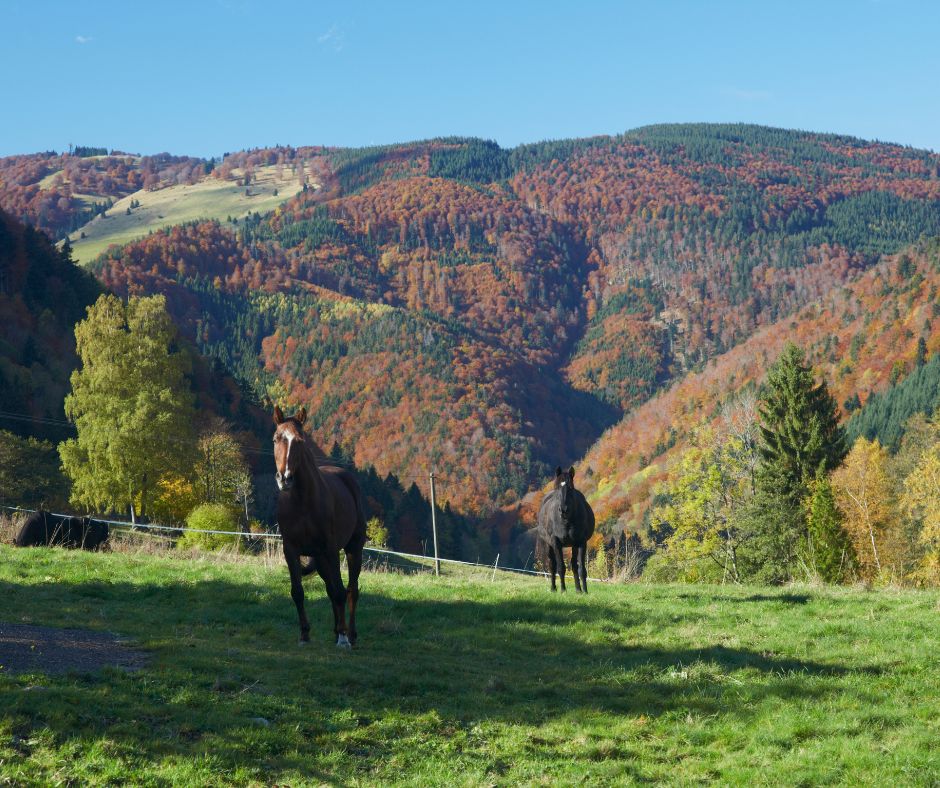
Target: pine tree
pixel 799 429
pixel 30 473
pixel 921 358
pixel 799 435
pixel 827 550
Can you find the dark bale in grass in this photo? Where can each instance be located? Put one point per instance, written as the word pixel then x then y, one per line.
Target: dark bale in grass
pixel 42 528
pixel 566 520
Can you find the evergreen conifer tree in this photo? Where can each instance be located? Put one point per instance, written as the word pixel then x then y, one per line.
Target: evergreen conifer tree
pixel 799 436
pixel 827 550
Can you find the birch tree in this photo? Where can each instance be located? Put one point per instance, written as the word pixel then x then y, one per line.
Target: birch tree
pixel 131 405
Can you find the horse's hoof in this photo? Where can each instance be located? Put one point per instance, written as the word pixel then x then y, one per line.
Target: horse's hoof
pixel 343 642
pixel 303 642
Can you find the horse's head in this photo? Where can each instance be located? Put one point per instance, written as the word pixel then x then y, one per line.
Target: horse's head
pixel 288 446
pixel 564 483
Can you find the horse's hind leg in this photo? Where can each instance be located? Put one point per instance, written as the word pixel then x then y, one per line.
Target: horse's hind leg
pixel 582 553
pixel 354 562
pixel 328 569
pixel 297 589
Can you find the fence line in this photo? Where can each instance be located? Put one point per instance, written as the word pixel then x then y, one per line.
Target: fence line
pixel 383 551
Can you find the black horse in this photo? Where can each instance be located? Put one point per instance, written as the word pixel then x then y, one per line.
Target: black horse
pixel 43 528
pixel 566 520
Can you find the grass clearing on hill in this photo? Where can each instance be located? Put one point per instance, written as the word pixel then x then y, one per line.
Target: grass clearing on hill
pixel 467 682
pixel 211 198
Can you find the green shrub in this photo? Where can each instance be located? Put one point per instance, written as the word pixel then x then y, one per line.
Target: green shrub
pixel 376 533
pixel 209 517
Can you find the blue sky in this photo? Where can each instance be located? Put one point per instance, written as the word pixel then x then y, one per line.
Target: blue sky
pixel 210 76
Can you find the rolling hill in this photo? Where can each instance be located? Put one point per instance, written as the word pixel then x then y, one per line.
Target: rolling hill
pixel 491 313
pixel 141 212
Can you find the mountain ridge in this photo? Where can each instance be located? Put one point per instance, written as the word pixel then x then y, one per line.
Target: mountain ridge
pixel 538 293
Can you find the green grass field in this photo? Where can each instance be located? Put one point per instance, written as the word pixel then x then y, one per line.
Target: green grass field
pixel 467 681
pixel 209 199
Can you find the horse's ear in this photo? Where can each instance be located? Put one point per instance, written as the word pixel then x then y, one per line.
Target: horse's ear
pixel 557 471
pixel 301 415
pixel 571 473
pixel 278 415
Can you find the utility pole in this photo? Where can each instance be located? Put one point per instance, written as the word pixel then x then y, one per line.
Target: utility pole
pixel 437 561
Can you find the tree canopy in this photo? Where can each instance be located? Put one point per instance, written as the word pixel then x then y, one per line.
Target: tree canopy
pixel 131 404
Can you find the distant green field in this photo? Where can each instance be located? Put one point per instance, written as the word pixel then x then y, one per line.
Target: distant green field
pixel 467 681
pixel 209 199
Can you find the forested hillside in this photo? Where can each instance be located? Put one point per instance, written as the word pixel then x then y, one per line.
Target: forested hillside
pixel 489 313
pixel 42 295
pixel 862 338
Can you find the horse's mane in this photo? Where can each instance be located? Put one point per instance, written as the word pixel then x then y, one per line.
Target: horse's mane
pixel 313 454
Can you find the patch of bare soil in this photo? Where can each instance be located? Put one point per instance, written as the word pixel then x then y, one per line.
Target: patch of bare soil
pixel 31 649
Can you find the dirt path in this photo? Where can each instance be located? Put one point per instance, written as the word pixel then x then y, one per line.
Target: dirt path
pixel 31 649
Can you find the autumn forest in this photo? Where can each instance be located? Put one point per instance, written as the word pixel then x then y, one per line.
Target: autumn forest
pixel 639 306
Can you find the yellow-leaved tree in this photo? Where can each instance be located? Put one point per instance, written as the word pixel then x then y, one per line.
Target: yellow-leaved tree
pixel 921 499
pixel 131 405
pixel 864 494
pixel 705 493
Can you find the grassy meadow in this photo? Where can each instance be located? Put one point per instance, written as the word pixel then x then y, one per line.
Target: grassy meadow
pixel 467 680
pixel 211 198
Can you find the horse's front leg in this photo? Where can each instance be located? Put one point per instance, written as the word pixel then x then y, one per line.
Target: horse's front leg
pixel 559 553
pixel 576 566
pixel 328 568
pixel 297 589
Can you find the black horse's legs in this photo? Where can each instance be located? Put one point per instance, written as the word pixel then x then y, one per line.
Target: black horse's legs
pixel 559 552
pixel 576 566
pixel 354 562
pixel 553 564
pixel 583 552
pixel 328 568
pixel 297 589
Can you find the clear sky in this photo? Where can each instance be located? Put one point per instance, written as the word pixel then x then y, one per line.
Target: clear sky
pixel 208 76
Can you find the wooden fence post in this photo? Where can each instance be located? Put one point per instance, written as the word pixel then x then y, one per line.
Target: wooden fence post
pixel 437 562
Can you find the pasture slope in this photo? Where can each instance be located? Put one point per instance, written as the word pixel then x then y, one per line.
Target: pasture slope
pixel 464 681
pixel 210 198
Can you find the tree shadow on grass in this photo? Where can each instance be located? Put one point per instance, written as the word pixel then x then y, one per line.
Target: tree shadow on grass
pixel 226 680
pixel 784 598
pixel 390 562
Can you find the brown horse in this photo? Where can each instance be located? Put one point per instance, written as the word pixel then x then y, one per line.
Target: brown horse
pixel 319 510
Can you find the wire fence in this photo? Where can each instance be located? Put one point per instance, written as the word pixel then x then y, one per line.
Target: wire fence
pixel 171 531
pixel 175 529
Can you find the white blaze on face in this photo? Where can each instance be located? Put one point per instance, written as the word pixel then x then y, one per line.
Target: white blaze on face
pixel 290 439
